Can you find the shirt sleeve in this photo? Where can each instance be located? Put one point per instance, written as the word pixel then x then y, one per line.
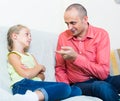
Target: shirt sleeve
pixel 60 69
pixel 100 67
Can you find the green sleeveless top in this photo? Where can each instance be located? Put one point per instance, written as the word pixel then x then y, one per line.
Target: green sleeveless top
pixel 27 60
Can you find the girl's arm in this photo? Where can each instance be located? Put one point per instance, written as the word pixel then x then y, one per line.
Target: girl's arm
pixel 15 61
pixel 41 73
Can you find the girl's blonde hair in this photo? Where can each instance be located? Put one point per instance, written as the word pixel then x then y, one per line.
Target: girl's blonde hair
pixel 14 29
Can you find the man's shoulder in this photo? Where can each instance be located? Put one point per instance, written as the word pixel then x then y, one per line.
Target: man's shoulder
pixel 98 29
pixel 64 32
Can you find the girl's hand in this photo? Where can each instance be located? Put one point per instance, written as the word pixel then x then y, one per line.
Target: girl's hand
pixel 41 76
pixel 41 73
pixel 43 69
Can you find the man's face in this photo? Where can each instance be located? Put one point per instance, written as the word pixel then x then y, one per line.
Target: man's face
pixel 74 22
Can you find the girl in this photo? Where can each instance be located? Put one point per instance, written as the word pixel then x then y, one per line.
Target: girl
pixel 27 74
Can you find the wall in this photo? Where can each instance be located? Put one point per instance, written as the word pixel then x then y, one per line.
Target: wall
pixel 37 14
pixel 47 15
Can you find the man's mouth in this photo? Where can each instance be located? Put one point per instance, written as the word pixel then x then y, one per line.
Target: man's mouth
pixel 73 30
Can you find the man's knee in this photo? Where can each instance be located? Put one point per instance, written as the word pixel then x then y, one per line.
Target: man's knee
pixel 101 85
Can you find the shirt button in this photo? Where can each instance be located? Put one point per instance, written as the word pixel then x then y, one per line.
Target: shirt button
pixel 91 77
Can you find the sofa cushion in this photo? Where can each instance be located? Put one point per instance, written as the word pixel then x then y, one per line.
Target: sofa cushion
pixel 115 62
pixel 6 96
pixel 4 76
pixel 82 98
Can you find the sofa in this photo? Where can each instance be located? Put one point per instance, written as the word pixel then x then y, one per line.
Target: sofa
pixel 43 47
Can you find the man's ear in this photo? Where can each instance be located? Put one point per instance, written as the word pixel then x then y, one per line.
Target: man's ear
pixel 85 19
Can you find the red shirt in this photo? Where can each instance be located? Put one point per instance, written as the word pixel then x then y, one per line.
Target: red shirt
pixel 92 60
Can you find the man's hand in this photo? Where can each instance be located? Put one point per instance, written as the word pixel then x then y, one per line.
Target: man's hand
pixel 67 53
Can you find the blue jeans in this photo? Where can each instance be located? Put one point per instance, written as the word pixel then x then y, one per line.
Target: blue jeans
pixel 107 89
pixel 51 90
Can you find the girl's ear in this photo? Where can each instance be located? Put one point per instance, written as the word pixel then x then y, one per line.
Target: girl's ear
pixel 14 35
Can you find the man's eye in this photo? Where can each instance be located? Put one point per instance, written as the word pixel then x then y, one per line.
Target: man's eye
pixel 73 23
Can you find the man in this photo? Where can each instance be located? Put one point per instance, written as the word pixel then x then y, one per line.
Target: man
pixel 82 56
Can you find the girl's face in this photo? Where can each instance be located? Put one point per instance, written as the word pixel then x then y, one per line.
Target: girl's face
pixel 24 37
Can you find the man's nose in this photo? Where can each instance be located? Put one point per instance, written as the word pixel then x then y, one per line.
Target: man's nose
pixel 70 26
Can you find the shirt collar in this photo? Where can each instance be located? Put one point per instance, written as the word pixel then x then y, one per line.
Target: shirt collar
pixel 90 33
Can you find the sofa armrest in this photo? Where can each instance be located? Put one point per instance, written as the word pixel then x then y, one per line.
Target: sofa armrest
pixel 115 62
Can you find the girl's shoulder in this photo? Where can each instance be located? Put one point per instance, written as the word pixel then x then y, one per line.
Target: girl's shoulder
pixel 14 52
pixel 18 53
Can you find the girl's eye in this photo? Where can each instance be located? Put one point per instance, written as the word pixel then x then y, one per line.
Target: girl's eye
pixel 27 34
